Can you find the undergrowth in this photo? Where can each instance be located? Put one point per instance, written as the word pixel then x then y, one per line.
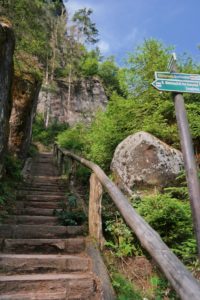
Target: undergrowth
pixel 8 184
pixel 71 214
pixel 124 288
pixel 46 136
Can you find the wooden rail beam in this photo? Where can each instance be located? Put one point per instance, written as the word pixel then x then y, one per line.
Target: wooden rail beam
pixel 180 278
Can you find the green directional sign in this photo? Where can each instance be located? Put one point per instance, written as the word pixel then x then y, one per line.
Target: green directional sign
pixel 177 76
pixel 181 86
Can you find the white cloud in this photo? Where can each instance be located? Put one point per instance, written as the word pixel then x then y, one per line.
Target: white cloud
pixel 132 35
pixel 104 46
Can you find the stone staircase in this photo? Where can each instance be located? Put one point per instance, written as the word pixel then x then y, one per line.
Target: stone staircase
pixel 40 259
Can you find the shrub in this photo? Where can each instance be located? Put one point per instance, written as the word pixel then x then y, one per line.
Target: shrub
pixel 171 218
pixel 124 288
pixel 121 239
pixel 46 136
pixel 73 138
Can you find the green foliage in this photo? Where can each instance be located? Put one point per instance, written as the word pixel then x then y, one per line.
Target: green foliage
pixel 121 239
pixel 86 28
pixel 148 57
pixel 140 109
pixel 47 135
pixel 90 67
pixel 83 175
pixel 122 118
pixel 108 72
pixel 32 28
pixel 13 167
pixel 71 218
pixel 171 218
pixel 162 289
pixel 8 184
pixel 73 138
pixel 124 288
pixel 71 215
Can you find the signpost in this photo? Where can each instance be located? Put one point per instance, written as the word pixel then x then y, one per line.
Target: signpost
pixel 179 83
pixel 177 76
pixel 174 85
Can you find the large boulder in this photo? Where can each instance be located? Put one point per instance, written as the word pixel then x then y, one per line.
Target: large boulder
pixel 142 160
pixel 7 44
pixel 25 96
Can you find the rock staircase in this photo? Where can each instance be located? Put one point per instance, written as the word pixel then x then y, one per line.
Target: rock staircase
pixel 40 259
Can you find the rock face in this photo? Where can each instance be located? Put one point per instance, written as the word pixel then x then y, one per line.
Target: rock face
pixel 142 160
pixel 25 96
pixel 7 43
pixel 86 97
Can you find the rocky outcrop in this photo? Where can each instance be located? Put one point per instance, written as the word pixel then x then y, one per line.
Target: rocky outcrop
pixel 25 96
pixel 142 160
pixel 7 43
pixel 86 97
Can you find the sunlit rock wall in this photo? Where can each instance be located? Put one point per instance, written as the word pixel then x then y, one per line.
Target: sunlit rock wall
pixel 87 96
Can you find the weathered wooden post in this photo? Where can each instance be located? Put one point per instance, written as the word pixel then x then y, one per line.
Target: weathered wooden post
pixel 60 162
pixel 72 174
pixel 179 83
pixel 95 221
pixel 190 163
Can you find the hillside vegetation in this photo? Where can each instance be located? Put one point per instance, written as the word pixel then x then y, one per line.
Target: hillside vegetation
pixel 52 46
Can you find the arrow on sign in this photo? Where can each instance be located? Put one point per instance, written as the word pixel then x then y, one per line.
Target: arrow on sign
pixel 181 86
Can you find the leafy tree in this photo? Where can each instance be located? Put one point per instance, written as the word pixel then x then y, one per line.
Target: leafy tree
pixel 108 71
pixel 90 63
pixel 86 29
pixel 32 29
pixel 141 107
pixel 149 57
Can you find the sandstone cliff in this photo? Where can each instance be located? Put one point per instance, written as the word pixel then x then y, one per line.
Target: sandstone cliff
pixel 7 43
pixel 86 97
pixel 25 95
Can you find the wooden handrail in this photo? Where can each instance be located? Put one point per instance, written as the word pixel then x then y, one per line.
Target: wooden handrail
pixel 187 287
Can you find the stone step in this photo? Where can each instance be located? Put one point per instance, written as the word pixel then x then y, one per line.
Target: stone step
pixel 44 198
pixel 46 178
pixel 44 172
pixel 44 183
pixel 22 193
pixel 37 204
pixel 32 220
pixel 38 231
pixel 35 263
pixel 75 286
pixel 31 211
pixel 42 189
pixel 53 246
pixel 36 296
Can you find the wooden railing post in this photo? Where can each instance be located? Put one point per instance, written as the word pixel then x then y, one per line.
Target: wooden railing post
pixel 72 174
pixel 95 221
pixel 181 279
pixel 60 162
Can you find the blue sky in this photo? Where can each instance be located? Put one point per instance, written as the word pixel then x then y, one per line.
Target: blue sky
pixel 123 24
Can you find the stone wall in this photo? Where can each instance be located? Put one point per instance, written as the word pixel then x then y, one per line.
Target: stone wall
pixel 86 97
pixel 7 44
pixel 25 96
